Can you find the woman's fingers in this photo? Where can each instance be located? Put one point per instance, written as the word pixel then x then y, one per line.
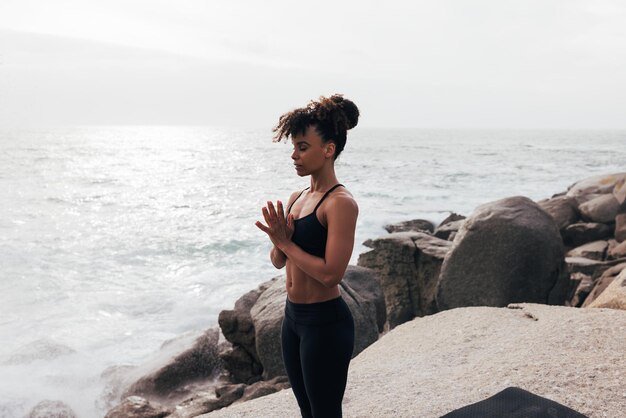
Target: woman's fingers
pixel 281 213
pixel 273 214
pixel 261 226
pixel 267 217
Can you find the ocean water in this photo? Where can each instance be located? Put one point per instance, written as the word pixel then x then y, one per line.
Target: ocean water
pixel 115 239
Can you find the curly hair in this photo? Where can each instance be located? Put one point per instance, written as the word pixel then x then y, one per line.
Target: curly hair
pixel 331 116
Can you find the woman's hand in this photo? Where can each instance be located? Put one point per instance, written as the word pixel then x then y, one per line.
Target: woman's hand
pixel 278 230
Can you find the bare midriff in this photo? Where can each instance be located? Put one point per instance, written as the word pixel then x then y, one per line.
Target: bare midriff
pixel 302 288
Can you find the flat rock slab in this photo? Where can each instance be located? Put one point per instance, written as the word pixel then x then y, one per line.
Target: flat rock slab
pixel 430 366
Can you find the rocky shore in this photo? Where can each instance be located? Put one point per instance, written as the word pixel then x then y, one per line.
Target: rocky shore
pixel 445 316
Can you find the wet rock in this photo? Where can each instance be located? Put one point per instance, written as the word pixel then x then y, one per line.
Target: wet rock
pixel 184 360
pixel 42 349
pixel 263 388
pixel 206 402
pixel 507 251
pixel 51 409
pixel 138 407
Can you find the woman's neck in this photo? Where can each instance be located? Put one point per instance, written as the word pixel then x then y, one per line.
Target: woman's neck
pixel 323 180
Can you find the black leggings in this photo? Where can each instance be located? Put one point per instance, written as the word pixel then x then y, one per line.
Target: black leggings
pixel 317 340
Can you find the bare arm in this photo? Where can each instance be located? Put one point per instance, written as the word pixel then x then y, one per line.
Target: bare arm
pixel 279 259
pixel 341 215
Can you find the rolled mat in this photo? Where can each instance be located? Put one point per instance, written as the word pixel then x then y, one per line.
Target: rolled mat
pixel 514 402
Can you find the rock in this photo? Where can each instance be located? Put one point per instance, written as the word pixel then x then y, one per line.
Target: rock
pixel 115 381
pixel 589 267
pixel 186 359
pixel 582 284
pixel 407 265
pixel 241 366
pixel 614 296
pixel 563 210
pixel 413 225
pixel 237 325
pixel 581 233
pixel 594 250
pixel 616 250
pixel 507 251
pixel 42 349
pixel 620 227
pixel 205 402
pixel 453 217
pixel 601 209
pixel 592 187
pixel 365 282
pixel 138 407
pixel 242 361
pixel 603 282
pixel 441 362
pixel 263 388
pixel 448 231
pixel 268 314
pixel 51 409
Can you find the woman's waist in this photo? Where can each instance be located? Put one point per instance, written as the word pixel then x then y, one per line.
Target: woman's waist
pixel 331 310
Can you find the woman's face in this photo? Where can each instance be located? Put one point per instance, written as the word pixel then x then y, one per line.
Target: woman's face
pixel 310 153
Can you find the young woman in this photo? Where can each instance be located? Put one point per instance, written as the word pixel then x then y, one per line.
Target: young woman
pixel 314 240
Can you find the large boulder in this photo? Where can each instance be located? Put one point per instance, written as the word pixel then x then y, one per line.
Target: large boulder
pixel 183 360
pixel 268 313
pixel 563 210
pixel 592 187
pixel 614 296
pixel 601 209
pixel 407 265
pixel 507 251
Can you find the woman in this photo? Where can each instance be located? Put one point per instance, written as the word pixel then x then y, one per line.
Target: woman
pixel 315 243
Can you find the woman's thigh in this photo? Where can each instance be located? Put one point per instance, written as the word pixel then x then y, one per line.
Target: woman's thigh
pixel 325 353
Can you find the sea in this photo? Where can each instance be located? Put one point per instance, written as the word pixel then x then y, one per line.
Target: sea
pixel 114 239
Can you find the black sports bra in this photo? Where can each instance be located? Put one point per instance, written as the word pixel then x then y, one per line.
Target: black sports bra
pixel 309 234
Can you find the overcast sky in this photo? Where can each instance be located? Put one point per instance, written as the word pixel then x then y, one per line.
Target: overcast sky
pixel 432 64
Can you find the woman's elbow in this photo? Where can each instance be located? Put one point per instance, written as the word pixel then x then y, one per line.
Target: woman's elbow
pixel 333 278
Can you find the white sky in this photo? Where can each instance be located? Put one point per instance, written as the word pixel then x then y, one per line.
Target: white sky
pixel 435 63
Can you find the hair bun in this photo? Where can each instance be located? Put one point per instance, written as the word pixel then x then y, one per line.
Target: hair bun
pixel 336 102
pixel 349 108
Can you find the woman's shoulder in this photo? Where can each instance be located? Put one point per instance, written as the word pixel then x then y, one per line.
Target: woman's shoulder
pixel 341 200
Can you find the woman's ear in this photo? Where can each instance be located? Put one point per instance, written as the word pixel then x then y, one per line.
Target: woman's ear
pixel 330 149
